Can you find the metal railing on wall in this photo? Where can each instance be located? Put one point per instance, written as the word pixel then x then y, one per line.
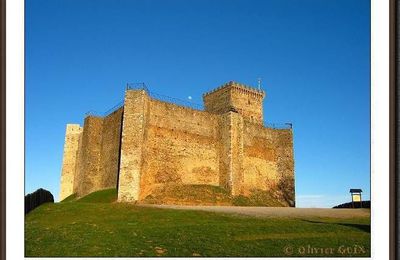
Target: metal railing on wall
pixel 107 112
pixel 279 126
pixel 142 86
pixel 138 86
pixel 177 101
pixel 168 99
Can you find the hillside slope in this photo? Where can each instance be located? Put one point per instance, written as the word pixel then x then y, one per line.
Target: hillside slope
pixel 80 228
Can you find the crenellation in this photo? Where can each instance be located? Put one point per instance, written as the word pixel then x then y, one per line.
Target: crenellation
pixel 234 96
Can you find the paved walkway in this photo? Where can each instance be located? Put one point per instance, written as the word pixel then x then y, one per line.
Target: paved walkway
pixel 274 212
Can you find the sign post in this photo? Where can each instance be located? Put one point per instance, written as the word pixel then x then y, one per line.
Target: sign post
pixel 356 196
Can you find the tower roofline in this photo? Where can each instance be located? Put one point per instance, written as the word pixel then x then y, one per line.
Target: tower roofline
pixel 233 84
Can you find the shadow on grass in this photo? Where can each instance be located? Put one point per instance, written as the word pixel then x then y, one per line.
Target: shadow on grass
pixel 363 227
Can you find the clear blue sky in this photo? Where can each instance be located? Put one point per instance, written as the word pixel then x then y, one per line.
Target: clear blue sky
pixel 313 57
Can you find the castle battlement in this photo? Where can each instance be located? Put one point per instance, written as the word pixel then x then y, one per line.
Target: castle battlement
pixel 147 145
pixel 245 89
pixel 232 96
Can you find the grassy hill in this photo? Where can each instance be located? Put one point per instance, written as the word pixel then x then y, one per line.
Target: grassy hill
pixel 94 226
pixel 188 195
pixel 208 195
pixel 103 196
pixel 363 204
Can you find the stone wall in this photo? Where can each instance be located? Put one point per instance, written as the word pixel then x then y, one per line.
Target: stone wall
pixel 231 152
pixel 133 135
pixel 180 148
pixel 218 102
pixel 78 167
pixel 285 154
pixel 71 144
pixel 232 96
pixel 98 153
pixel 248 103
pixel 110 149
pixel 236 171
pixel 148 146
pixel 268 163
pixel 88 175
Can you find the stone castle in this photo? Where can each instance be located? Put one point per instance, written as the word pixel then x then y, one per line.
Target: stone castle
pixel 147 145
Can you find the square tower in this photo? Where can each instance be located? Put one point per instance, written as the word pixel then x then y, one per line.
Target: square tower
pixel 232 96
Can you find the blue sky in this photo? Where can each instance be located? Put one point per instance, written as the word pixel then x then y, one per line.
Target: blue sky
pixel 313 57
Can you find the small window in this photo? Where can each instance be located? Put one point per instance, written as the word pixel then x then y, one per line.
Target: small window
pixel 248 102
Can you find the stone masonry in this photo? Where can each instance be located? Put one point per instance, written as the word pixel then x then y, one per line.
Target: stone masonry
pixel 148 144
pixel 71 144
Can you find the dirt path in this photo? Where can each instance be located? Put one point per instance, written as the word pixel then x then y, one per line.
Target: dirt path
pixel 274 212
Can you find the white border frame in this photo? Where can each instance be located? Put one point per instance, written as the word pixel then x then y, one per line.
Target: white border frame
pixel 379 130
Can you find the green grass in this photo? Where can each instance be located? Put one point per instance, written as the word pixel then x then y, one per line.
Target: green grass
pixel 189 194
pixel 209 195
pixel 102 196
pixel 120 229
pixel 257 198
pixel 70 198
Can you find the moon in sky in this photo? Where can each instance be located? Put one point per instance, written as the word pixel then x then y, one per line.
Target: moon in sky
pixel 190 97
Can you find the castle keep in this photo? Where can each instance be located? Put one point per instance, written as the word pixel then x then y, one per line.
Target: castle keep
pixel 147 146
